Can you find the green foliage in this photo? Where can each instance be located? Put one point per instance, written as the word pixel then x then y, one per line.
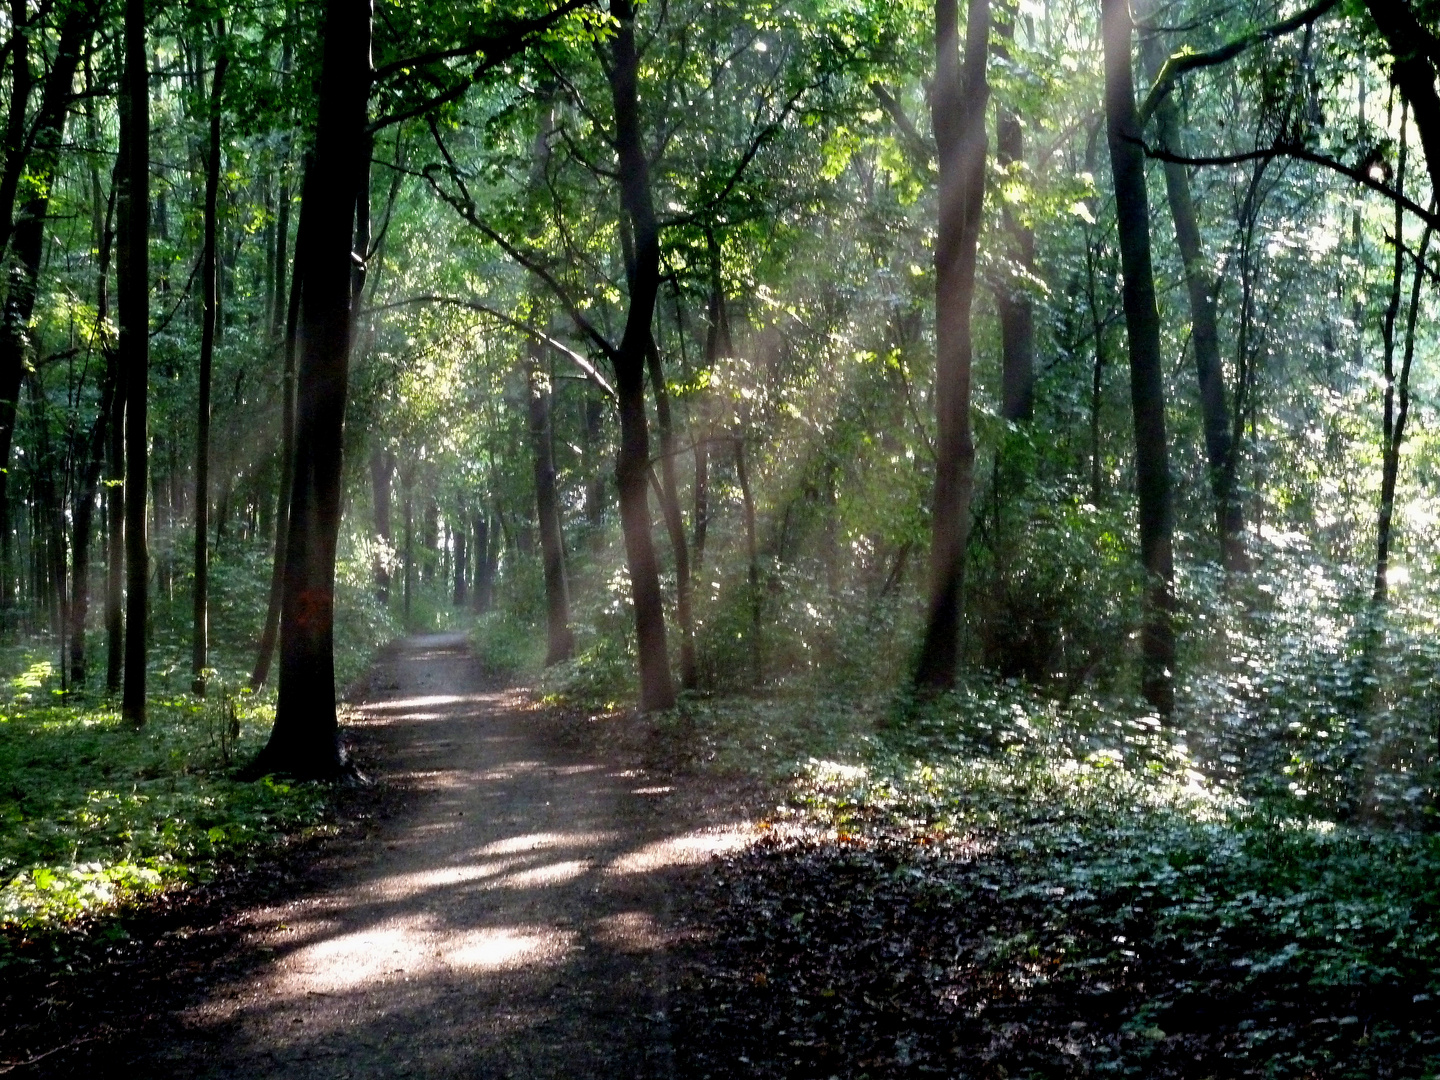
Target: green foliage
pixel 95 814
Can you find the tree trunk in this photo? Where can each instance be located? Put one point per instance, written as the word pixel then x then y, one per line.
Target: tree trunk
pixel 381 469
pixel 1397 391
pixel 407 482
pixel 462 564
pixel 200 646
pixel 84 512
pixel 134 297
pixel 22 83
pixel 752 553
pixel 669 496
pixel 270 634
pixel 1017 316
pixel 1147 390
pixel 484 565
pixel 595 484
pixel 305 740
pixel 27 234
pixel 560 640
pixel 657 691
pixel 1204 331
pixel 717 346
pixel 959 121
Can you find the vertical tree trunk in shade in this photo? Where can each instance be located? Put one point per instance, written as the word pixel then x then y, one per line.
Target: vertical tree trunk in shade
pixel 1397 391
pixel 1147 390
pixel 134 298
pixel 958 109
pixel 1017 314
pixel 560 642
pixel 595 485
pixel 752 554
pixel 17 115
pixel 270 634
pixel 407 483
pixel 462 564
pixel 667 491
pixel 305 739
pixel 200 643
pixel 1204 331
pixel 26 235
pixel 430 541
pixel 657 691
pixel 484 564
pixel 717 346
pixel 381 469
pixel 115 538
pixel 83 516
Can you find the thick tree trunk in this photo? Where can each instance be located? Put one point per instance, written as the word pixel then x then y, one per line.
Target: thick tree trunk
pixel 717 346
pixel 200 644
pixel 752 555
pixel 26 235
pixel 115 539
pixel 595 485
pixel 134 297
pixel 22 84
pixel 382 467
pixel 669 495
pixel 270 634
pixel 657 691
pixel 1147 389
pixel 462 564
pixel 1204 330
pixel 305 739
pixel 1397 391
pixel 959 121
pixel 1017 315
pixel 83 517
pixel 484 564
pixel 407 483
pixel 560 640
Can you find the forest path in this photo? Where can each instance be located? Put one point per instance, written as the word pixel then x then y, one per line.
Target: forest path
pixel 510 921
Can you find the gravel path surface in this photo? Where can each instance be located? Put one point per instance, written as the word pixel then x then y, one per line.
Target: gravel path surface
pixel 510 921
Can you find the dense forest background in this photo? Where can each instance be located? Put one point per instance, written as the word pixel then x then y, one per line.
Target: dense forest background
pixel 1035 378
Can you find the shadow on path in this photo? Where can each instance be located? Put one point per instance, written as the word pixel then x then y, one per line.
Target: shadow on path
pixel 510 922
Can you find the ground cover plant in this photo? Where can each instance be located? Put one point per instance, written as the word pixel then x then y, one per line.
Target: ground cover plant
pixel 1058 906
pixel 95 814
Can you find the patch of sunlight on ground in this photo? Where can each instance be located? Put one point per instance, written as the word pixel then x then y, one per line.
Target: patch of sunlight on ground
pixel 687 849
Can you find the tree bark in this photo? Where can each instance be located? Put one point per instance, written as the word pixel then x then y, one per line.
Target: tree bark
pixel 381 470
pixel 305 739
pixel 1204 331
pixel 668 493
pixel 560 641
pixel 26 235
pixel 959 120
pixel 657 691
pixel 484 564
pixel 200 644
pixel 718 345
pixel 752 554
pixel 1147 391
pixel 462 564
pixel 270 634
pixel 115 538
pixel 1017 315
pixel 134 297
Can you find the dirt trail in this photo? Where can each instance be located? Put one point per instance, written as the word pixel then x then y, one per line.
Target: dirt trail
pixel 509 922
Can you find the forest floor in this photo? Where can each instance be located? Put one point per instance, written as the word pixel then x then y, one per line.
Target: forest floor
pixel 527 892
pixel 506 914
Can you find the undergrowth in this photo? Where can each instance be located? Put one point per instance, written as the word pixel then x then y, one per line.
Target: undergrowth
pixel 94 813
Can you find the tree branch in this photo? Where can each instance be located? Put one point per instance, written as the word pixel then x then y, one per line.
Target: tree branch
pixel 1181 62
